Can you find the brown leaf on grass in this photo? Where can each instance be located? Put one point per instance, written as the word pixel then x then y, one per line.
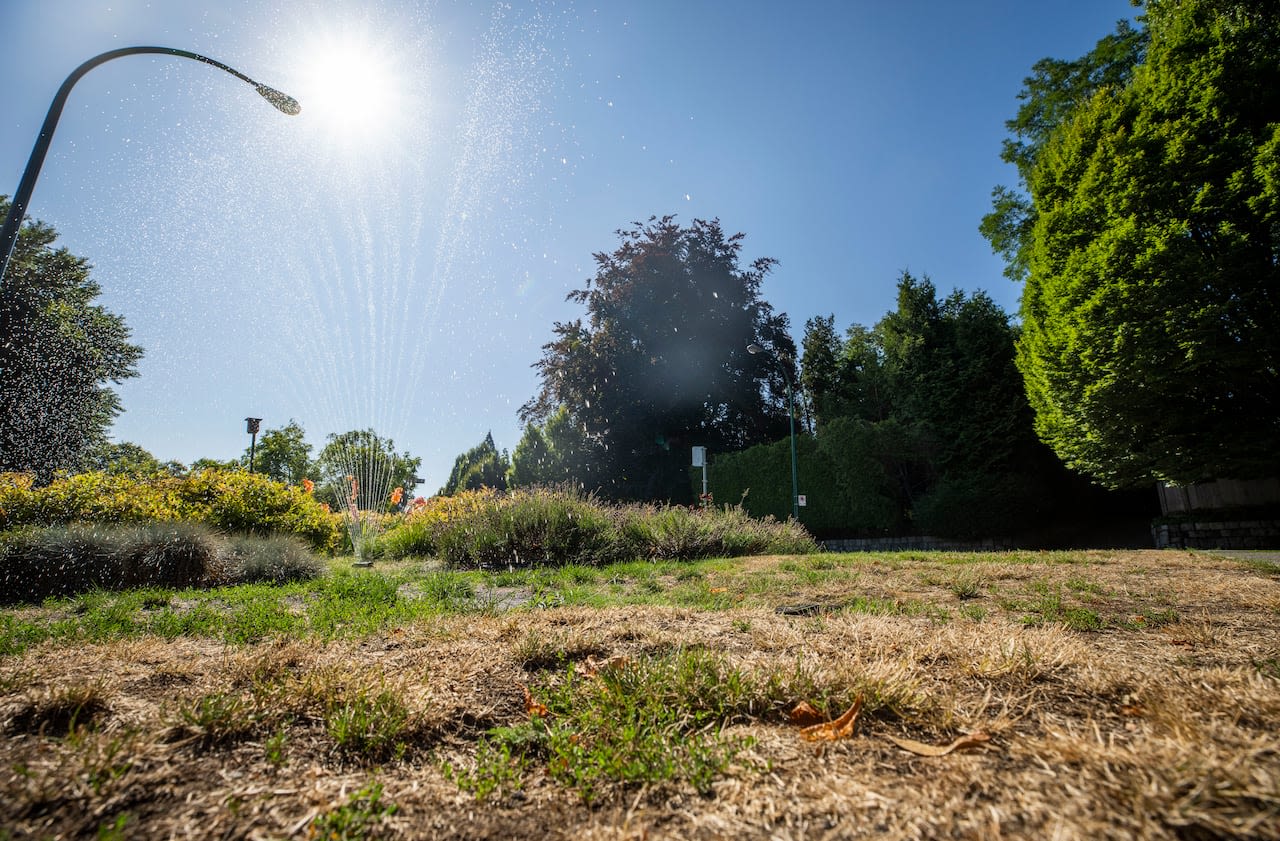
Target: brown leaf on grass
pixel 804 714
pixel 593 668
pixel 972 740
pixel 842 728
pixel 531 706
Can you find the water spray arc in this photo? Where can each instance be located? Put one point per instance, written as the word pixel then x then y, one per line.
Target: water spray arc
pixel 9 236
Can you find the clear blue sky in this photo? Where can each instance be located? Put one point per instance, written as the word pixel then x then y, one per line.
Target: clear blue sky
pixel 395 256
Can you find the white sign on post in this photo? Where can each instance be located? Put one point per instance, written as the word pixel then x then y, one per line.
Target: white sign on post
pixel 699 456
pixel 800 500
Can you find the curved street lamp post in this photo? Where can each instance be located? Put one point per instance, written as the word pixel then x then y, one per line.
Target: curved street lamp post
pixel 791 416
pixel 18 209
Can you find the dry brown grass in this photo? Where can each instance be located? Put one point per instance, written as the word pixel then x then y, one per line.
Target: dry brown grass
pixel 1146 729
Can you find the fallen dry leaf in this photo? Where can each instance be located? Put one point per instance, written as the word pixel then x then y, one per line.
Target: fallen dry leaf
pixel 531 706
pixel 804 714
pixel 842 728
pixel 972 740
pixel 593 668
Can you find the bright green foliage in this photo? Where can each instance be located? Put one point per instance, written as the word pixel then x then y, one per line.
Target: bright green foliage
pixel 283 454
pixel 234 501
pixel 355 820
pixel 58 351
pixel 1049 96
pixel 660 362
pixel 482 466
pixel 1151 323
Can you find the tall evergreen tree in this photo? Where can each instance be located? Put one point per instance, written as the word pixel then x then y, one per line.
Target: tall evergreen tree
pixel 58 351
pixel 482 466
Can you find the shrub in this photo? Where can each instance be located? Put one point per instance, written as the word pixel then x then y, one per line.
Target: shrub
pixel 232 501
pixel 274 559
pixel 65 560
pixel 562 526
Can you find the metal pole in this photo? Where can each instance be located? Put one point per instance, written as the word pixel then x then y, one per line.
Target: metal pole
pixel 21 198
pixel 253 448
pixel 791 412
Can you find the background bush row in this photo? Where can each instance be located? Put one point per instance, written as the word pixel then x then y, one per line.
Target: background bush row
pixel 230 501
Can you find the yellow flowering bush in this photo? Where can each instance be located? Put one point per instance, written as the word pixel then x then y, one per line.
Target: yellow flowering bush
pixel 231 501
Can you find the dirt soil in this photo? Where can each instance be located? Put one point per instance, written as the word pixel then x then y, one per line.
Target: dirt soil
pixel 1144 729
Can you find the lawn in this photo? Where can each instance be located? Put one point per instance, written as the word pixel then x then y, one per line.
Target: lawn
pixel 1087 694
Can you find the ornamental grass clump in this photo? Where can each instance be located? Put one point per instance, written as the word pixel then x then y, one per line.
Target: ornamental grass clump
pixel 68 560
pixel 559 526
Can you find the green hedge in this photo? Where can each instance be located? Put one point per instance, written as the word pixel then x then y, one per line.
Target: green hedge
pixel 870 479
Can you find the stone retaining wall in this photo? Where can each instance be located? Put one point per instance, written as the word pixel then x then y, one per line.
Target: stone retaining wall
pixel 1244 534
pixel 920 543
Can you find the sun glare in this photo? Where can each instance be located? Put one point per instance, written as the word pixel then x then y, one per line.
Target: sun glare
pixel 353 90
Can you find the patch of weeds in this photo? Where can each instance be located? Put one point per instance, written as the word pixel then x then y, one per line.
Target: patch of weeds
pixel 966 587
pixel 648 721
pixel 1079 584
pixel 368 727
pixel 1050 608
pixel 1150 618
pixel 873 605
pixel 499 766
pixel 61 711
pixel 273 748
pixel 115 830
pixel 976 612
pixel 356 819
pixel 1269 667
pixel 537 652
pixel 690 573
pixel 448 590
pixel 103 759
pixel 218 718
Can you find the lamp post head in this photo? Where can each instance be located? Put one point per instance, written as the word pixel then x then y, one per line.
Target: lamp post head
pixel 755 348
pixel 282 101
pixel 251 425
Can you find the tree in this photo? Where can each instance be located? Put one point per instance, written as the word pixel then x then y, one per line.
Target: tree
pixel 1151 327
pixel 1049 97
pixel 661 364
pixel 482 466
pixel 363 468
pixel 930 405
pixel 551 454
pixel 58 352
pixel 283 454
pixel 124 458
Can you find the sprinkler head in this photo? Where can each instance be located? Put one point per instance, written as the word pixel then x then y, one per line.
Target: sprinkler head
pixel 282 101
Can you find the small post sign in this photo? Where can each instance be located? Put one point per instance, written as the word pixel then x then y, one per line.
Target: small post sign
pixel 700 460
pixel 800 500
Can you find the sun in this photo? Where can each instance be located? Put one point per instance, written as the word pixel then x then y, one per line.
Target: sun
pixel 352 89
